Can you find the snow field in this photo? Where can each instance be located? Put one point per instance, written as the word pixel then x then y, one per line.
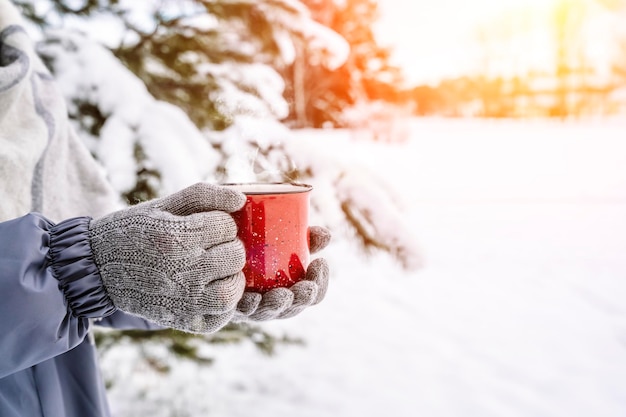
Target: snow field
pixel 518 311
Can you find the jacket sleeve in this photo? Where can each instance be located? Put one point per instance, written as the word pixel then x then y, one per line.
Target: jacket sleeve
pixel 124 321
pixel 49 289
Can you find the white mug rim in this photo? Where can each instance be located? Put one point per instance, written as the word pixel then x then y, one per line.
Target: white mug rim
pixel 265 188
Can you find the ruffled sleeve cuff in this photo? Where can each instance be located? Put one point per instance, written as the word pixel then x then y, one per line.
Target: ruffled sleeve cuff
pixel 72 264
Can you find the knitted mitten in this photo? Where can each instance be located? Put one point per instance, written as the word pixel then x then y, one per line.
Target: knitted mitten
pixel 175 261
pixel 280 303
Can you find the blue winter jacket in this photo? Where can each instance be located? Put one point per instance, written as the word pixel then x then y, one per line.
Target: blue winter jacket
pixel 50 289
pixel 50 293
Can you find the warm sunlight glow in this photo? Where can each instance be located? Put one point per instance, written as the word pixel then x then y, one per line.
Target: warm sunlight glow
pixel 447 38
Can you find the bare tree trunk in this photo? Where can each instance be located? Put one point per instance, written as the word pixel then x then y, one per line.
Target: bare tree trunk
pixel 299 93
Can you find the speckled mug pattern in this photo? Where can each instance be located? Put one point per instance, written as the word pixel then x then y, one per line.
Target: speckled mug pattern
pixel 273 226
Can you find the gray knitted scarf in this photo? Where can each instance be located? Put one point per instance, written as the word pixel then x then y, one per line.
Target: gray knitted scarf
pixel 44 165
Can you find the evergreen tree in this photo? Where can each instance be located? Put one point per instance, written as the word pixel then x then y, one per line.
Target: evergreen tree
pixel 204 56
pixel 319 95
pixel 217 61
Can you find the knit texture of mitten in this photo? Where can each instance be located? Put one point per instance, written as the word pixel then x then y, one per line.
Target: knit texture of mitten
pixel 175 261
pixel 281 303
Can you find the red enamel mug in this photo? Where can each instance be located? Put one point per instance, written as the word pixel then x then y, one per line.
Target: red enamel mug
pixel 274 228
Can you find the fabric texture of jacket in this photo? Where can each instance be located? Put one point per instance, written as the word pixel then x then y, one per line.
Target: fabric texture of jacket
pixel 51 293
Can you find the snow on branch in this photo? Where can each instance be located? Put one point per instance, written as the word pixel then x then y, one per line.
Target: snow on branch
pixel 326 47
pixel 353 198
pixel 333 48
pixel 135 137
pixel 376 221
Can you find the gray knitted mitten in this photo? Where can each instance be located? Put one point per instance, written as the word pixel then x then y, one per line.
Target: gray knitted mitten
pixel 280 303
pixel 175 261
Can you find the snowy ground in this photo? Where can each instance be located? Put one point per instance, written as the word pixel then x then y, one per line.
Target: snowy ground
pixel 520 309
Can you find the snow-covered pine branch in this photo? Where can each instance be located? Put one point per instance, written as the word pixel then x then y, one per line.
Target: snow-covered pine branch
pixel 124 127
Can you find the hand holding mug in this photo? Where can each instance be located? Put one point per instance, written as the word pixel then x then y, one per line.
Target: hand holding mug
pixel 282 302
pixel 273 226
